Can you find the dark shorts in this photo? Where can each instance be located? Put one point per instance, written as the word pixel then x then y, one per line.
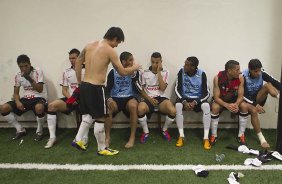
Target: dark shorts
pixel 121 103
pixel 197 107
pixel 70 108
pixel 29 104
pixel 92 100
pixel 151 107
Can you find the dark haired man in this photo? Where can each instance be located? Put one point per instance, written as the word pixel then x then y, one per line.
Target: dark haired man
pixel 154 82
pixel 34 98
pixel 256 92
pixel 122 91
pixel 69 85
pixel 228 90
pixel 97 56
pixel 192 93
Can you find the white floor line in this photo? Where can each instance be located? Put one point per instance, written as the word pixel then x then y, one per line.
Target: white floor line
pixel 76 167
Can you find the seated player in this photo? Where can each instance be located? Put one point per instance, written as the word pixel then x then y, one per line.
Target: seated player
pixel 122 91
pixel 192 93
pixel 69 86
pixel 256 92
pixel 228 90
pixel 154 83
pixel 34 98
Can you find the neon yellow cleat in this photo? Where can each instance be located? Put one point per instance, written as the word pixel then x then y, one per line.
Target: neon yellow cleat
pixel 107 152
pixel 207 144
pixel 180 142
pixel 79 145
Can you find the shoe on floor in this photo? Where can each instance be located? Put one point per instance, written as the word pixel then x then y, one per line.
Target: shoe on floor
pixel 50 143
pixel 19 135
pixel 207 145
pixel 213 140
pixel 38 136
pixel 241 140
pixel 166 135
pixel 144 137
pixel 180 142
pixel 79 145
pixel 107 152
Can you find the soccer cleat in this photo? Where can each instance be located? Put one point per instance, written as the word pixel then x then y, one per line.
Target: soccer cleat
pixel 180 142
pixel 241 140
pixel 85 142
pixel 50 143
pixel 213 140
pixel 166 135
pixel 207 145
pixel 144 137
pixel 79 145
pixel 107 152
pixel 38 136
pixel 19 135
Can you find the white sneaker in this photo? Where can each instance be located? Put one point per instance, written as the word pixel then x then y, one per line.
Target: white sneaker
pixel 50 143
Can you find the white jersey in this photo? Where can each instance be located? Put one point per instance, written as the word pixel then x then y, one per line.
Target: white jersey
pixel 69 79
pixel 28 92
pixel 150 82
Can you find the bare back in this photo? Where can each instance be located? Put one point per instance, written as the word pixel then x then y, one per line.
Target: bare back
pixel 97 59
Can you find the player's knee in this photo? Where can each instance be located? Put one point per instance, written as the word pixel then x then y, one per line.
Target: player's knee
pixel 215 108
pixel 52 107
pixel 39 109
pixel 253 112
pixel 172 111
pixel 141 110
pixel 132 107
pixel 4 109
pixel 179 107
pixel 205 107
pixel 243 107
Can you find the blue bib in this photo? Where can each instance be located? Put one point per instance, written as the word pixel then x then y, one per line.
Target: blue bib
pixel 122 86
pixel 252 85
pixel 192 86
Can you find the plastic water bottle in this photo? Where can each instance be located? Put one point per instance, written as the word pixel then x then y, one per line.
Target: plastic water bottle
pixel 219 158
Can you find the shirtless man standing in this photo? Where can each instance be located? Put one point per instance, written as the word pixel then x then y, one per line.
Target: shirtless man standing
pixel 97 57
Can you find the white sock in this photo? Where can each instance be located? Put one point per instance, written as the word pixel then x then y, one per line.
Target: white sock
pixel 51 121
pixel 179 118
pixel 206 119
pixel 214 124
pixel 84 126
pixel 99 132
pixel 11 118
pixel 261 138
pixel 40 122
pixel 243 120
pixel 168 122
pixel 143 123
pixel 85 137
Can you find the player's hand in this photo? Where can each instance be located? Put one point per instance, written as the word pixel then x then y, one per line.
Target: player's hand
pixel 186 106
pixel 136 66
pixel 160 67
pixel 260 109
pixel 20 106
pixel 153 101
pixel 192 105
pixel 233 107
pixel 27 77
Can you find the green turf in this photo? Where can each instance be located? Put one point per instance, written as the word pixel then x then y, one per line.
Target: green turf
pixel 155 151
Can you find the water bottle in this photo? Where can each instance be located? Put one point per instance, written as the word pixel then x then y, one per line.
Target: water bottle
pixel 220 157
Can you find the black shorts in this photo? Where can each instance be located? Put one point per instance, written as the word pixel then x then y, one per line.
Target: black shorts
pixel 92 100
pixel 197 107
pixel 151 107
pixel 29 104
pixel 262 103
pixel 121 103
pixel 70 108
